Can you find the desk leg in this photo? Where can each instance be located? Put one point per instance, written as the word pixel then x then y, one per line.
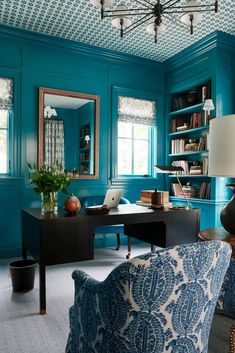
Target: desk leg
pixel 42 288
pixel 232 339
pixel 24 251
pixel 129 248
pixel 153 247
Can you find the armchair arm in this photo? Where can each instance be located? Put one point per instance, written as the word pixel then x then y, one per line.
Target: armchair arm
pixel 83 280
pixel 97 316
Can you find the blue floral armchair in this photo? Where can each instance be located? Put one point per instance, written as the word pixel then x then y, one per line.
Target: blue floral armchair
pixel 155 303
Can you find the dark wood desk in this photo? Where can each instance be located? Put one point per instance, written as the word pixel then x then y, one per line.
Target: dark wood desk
pixel 58 239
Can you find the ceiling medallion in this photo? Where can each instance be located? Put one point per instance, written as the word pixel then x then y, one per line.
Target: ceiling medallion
pixel 154 16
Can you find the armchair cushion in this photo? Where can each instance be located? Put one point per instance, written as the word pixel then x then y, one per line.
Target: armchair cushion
pixel 159 302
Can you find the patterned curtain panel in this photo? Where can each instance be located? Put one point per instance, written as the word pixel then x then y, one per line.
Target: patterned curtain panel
pixel 54 141
pixel 6 93
pixel 138 111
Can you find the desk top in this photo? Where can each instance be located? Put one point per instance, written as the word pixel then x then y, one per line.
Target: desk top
pixel 121 210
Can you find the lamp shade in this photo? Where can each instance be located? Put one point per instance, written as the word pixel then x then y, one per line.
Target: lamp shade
pixel 192 11
pixel 168 168
pixel 221 146
pixel 98 4
pixel 121 14
pixel 151 26
pixel 209 105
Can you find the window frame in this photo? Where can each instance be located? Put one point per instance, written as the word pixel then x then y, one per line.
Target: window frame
pixel 150 156
pixel 158 139
pixel 15 122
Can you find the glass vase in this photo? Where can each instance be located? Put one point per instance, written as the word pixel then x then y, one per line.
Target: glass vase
pixel 49 202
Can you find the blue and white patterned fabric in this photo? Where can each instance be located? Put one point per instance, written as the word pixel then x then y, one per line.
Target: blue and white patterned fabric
pixel 226 301
pixel 155 303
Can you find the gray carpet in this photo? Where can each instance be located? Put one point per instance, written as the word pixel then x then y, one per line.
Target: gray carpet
pixel 22 330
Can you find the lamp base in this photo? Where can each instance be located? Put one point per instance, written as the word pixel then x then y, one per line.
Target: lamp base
pixel 227 215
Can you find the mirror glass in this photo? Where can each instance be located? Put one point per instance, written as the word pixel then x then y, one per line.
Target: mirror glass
pixel 68 131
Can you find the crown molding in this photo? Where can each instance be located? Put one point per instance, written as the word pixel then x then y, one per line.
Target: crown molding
pixel 217 39
pixel 75 46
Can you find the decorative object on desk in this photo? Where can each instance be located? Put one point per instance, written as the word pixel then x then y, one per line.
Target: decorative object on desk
pixel 72 204
pixel 154 198
pixel 49 202
pixel 47 181
pixel 222 161
pixel 96 210
pixel 174 169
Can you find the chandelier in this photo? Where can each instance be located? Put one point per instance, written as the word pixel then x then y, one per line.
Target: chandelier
pixel 154 16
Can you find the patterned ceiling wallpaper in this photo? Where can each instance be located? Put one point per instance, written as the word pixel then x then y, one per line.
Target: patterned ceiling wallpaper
pixel 78 20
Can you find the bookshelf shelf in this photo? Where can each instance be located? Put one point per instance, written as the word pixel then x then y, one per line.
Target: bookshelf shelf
pixel 187 110
pixel 189 131
pixel 188 153
pixel 190 199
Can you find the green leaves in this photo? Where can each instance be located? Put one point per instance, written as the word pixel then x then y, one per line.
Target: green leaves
pixel 48 178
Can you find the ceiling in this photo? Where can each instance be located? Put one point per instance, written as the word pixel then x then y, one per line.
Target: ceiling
pixel 78 20
pixel 64 102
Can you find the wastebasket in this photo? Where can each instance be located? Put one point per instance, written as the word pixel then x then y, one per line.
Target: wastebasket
pixel 22 273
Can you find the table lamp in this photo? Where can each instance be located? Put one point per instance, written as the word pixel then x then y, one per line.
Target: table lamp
pixel 222 161
pixel 173 169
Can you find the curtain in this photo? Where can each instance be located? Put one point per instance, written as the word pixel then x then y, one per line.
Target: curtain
pixel 138 111
pixel 6 93
pixel 54 142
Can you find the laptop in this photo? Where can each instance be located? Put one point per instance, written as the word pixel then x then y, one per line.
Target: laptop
pixel 111 199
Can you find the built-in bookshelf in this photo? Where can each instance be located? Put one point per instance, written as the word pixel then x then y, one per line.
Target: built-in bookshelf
pixel 188 143
pixel 84 149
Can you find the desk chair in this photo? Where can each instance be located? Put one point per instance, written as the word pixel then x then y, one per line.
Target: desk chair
pixel 113 229
pixel 159 302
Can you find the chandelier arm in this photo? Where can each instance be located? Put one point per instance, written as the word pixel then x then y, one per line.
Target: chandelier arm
pixel 147 6
pixel 197 7
pixel 185 11
pixel 148 2
pixel 133 14
pixel 169 5
pixel 137 23
pixel 125 11
pixel 175 21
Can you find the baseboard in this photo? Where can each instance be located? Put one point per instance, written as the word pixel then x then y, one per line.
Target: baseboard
pixel 10 252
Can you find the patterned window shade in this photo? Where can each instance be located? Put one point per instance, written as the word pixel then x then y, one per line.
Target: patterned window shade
pixel 6 93
pixel 138 111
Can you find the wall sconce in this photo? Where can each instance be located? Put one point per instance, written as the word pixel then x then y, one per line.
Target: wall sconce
pixel 87 139
pixel 49 112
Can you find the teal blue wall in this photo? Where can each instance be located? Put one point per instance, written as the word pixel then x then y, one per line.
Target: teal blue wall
pixel 38 61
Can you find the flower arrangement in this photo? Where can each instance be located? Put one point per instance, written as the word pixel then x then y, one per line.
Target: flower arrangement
pixel 47 181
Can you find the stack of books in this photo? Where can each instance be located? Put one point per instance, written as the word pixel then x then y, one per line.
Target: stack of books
pixel 189 190
pixel 195 169
pixel 205 191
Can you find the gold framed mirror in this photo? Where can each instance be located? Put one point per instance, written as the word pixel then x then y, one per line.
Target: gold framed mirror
pixel 68 131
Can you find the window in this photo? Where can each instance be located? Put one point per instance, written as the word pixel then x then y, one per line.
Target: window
pixel 136 119
pixel 6 107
